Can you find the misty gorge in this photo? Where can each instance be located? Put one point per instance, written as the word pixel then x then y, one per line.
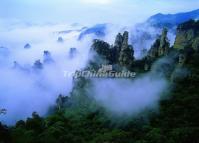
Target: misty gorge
pixel 90 72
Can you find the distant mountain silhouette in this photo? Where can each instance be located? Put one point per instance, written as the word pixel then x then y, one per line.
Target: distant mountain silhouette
pixel 170 20
pixel 98 30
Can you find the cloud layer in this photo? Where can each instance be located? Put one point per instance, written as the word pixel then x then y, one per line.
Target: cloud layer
pixel 24 86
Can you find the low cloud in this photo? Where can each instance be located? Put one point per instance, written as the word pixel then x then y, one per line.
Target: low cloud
pixel 129 97
pixel 25 87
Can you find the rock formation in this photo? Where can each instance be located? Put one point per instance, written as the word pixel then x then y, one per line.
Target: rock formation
pixel 38 65
pixel 187 40
pixel 126 54
pixel 61 101
pixel 102 49
pixel 188 35
pixel 47 58
pixel 60 40
pixel 161 46
pixel 120 53
pixel 118 42
pixel 27 46
pixel 73 52
pixel 164 43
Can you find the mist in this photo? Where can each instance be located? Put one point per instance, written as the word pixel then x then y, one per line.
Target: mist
pixel 143 35
pixel 33 60
pixel 129 97
pixel 25 86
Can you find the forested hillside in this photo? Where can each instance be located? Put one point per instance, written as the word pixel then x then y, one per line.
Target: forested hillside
pixel 79 118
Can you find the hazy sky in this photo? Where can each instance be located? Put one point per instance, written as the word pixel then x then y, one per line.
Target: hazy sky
pixel 90 11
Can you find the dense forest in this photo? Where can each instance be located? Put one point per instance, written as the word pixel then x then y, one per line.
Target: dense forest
pixel 78 118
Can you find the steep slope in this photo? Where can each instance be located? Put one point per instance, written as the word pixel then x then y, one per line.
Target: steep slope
pixel 188 35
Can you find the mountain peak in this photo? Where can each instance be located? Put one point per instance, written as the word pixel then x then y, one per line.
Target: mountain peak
pixel 173 19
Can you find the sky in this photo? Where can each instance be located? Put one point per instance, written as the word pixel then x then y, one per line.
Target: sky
pixel 90 11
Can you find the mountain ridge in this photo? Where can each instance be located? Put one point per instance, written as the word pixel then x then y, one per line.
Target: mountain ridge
pixel 173 19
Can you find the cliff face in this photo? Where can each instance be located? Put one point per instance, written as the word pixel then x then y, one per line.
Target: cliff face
pixel 121 52
pixel 47 58
pixel 103 50
pixel 187 35
pixel 160 46
pixel 126 54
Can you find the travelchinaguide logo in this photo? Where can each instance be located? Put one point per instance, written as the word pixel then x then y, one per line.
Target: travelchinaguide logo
pixel 106 71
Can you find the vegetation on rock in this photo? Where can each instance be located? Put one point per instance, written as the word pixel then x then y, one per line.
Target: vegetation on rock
pixel 79 119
